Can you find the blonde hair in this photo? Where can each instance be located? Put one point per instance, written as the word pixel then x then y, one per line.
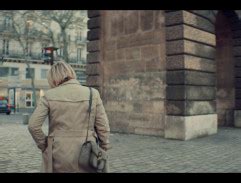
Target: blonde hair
pixel 59 72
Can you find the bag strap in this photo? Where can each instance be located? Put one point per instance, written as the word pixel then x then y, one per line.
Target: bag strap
pixel 89 111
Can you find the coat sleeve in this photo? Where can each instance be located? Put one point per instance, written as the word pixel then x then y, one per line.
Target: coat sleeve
pixel 102 124
pixel 36 121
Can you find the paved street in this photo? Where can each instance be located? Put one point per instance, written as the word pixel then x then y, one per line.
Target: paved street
pixel 131 153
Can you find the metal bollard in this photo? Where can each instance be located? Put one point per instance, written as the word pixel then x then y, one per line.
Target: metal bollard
pixel 25 118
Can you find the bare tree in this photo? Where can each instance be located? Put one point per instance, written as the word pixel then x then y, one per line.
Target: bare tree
pixel 66 20
pixel 21 29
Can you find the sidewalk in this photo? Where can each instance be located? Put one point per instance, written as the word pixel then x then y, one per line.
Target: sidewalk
pixel 132 153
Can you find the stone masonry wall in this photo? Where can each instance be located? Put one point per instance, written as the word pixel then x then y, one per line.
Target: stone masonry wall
pixel 134 57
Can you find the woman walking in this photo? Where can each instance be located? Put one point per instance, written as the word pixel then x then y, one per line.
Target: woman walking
pixel 66 105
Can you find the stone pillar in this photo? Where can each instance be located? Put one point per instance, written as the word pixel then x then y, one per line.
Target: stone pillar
pixel 94 58
pixel 191 90
pixel 236 28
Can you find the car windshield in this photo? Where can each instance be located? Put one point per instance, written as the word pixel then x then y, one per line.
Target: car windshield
pixel 3 102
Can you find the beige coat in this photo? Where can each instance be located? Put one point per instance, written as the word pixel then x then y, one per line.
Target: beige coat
pixel 66 106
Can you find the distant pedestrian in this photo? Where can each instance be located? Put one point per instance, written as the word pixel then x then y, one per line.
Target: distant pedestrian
pixel 66 105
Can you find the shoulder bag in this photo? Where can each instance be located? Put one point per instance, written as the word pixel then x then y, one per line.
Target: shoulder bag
pixel 91 156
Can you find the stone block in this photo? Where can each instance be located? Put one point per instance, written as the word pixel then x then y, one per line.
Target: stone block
pixel 93 34
pixel 184 92
pixel 93 69
pixel 93 81
pixel 155 65
pixel 181 62
pixel 184 31
pixel 94 23
pixel 93 57
pixel 146 20
pixel 181 16
pixel 159 19
pixel 190 47
pixel 209 14
pixel 141 39
pixel 237 72
pixel 93 46
pixel 237 61
pixel 150 52
pixel 93 13
pixel 149 131
pixel 136 87
pixel 236 34
pixel 237 50
pixel 146 120
pixel 186 77
pixel 237 118
pixel 237 82
pixel 238 93
pixel 133 53
pixel 237 42
pixel 131 22
pixel 189 127
pixel 238 104
pixel 188 108
pixel 110 56
pixel 120 54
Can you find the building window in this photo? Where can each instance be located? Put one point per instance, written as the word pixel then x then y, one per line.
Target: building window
pixel 29 99
pixel 14 71
pixel 7 22
pixel 4 71
pixel 28 74
pixel 5 47
pixel 44 73
pixel 78 54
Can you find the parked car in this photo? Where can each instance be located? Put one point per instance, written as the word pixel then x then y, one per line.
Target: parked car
pixel 5 107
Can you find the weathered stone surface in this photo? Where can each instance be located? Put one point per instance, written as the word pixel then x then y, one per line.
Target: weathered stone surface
pixel 133 53
pixel 209 14
pixel 93 69
pixel 159 19
pixel 185 92
pixel 93 13
pixel 180 17
pixel 178 62
pixel 150 52
pixel 237 50
pixel 237 72
pixel 93 46
pixel 94 23
pixel 237 42
pixel 238 82
pixel 149 131
pixel 238 93
pixel 110 56
pixel 93 34
pixel 93 81
pixel 131 22
pixel 187 108
pixel 184 31
pixel 141 39
pixel 190 78
pixel 237 118
pixel 154 65
pixel 146 20
pixel 93 57
pixel 146 120
pixel 238 104
pixel 136 87
pixel 237 61
pixel 189 47
pixel 236 34
pixel 189 127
